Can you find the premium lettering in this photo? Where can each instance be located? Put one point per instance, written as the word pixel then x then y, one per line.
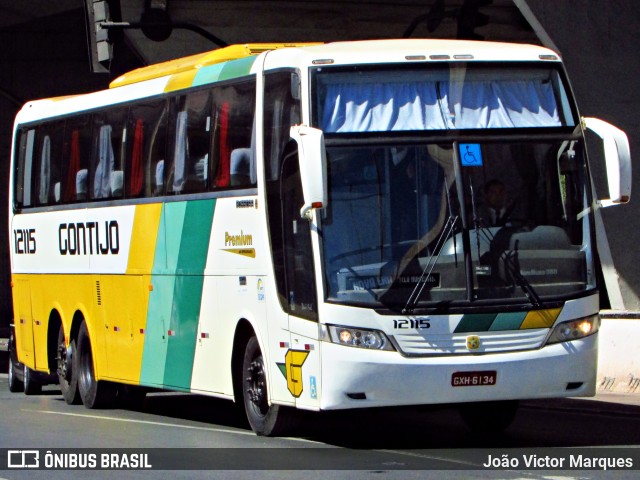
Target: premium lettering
pixel 241 240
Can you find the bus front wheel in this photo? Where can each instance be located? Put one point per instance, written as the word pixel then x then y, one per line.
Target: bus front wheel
pixel 67 378
pixel 94 393
pixel 489 417
pixel 265 419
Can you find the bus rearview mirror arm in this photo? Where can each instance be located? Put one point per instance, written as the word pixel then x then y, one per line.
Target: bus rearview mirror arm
pixel 617 159
pixel 313 167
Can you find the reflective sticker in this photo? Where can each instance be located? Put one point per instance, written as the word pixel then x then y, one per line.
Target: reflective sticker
pixel 313 389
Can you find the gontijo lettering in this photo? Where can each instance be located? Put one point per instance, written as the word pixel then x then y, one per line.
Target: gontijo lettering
pixel 89 238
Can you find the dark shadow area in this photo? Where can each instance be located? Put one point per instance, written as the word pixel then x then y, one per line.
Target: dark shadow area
pixel 538 423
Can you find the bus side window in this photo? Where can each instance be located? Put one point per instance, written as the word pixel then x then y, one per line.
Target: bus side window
pixel 233 135
pixel 190 172
pixel 146 148
pixel 107 163
pixel 22 185
pixel 47 163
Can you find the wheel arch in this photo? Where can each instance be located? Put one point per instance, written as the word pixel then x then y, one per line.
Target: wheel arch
pixel 53 327
pixel 244 331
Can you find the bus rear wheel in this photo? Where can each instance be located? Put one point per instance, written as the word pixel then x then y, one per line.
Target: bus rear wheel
pixel 32 385
pixel 94 393
pixel 489 417
pixel 15 384
pixel 67 377
pixel 265 419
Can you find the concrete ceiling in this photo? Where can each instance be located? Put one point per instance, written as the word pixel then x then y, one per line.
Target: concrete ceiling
pixel 242 21
pixel 202 25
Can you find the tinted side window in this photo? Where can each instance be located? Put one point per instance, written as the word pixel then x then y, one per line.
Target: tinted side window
pixel 233 127
pixel 47 163
pixel 146 149
pixel 24 165
pixel 107 161
pixel 191 146
pixel 76 151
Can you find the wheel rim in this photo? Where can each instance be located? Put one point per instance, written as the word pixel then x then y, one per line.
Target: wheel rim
pixel 64 362
pixel 10 372
pixel 256 386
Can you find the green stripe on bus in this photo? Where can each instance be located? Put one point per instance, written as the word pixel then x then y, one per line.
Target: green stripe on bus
pixel 508 321
pixel 237 68
pixel 160 309
pixel 208 74
pixel 187 295
pixel 475 322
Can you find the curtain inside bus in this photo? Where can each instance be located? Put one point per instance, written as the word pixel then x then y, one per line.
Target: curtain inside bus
pixel 423 105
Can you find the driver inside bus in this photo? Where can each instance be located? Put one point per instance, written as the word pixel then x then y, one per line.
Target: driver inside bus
pixel 497 208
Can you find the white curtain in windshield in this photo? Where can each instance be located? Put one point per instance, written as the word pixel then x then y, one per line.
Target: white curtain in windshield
pixel 402 106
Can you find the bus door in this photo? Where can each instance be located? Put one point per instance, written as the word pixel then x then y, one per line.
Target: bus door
pixel 298 253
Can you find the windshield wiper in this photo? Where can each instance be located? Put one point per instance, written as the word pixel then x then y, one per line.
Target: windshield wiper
pixel 448 228
pixel 511 261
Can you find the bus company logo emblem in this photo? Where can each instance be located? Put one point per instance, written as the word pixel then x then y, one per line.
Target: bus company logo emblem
pixel 473 342
pixel 292 370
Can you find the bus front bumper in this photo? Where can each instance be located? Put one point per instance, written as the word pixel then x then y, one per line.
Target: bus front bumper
pixel 359 378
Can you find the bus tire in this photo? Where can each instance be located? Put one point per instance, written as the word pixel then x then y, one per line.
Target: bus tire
pixel 32 386
pixel 264 419
pixel 489 417
pixel 67 377
pixel 94 393
pixel 15 385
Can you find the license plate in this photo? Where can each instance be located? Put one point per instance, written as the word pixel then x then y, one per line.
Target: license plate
pixel 473 379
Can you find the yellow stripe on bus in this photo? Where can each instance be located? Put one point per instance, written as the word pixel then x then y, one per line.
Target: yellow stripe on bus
pixel 540 318
pixel 143 238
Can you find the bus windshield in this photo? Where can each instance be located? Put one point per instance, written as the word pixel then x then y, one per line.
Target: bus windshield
pixel 455 96
pixel 403 229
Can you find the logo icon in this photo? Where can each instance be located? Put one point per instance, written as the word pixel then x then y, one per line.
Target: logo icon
pixel 23 459
pixel 473 342
pixel 292 370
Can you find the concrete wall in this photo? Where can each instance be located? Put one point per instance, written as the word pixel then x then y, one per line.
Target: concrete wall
pixel 598 42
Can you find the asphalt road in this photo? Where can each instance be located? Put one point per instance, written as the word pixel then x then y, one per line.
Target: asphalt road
pixel 390 443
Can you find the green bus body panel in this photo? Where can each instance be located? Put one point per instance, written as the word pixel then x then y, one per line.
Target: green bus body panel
pixel 224 71
pixel 174 304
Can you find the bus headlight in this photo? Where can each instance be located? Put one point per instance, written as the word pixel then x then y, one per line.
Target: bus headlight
pixel 575 329
pixel 358 337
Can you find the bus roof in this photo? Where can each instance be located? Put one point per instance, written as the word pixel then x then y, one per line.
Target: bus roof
pixel 403 50
pixel 237 60
pixel 197 61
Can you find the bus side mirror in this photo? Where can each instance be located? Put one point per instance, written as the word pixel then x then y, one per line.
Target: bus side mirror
pixel 617 159
pixel 313 167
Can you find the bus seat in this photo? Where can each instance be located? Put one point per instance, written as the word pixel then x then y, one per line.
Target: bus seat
pixel 81 184
pixel 116 181
pixel 543 237
pixel 159 183
pixel 240 167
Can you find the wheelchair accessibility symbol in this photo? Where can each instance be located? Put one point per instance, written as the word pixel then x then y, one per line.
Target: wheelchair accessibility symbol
pixel 470 154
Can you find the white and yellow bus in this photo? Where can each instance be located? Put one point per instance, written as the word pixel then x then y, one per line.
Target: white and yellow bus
pixel 305 227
